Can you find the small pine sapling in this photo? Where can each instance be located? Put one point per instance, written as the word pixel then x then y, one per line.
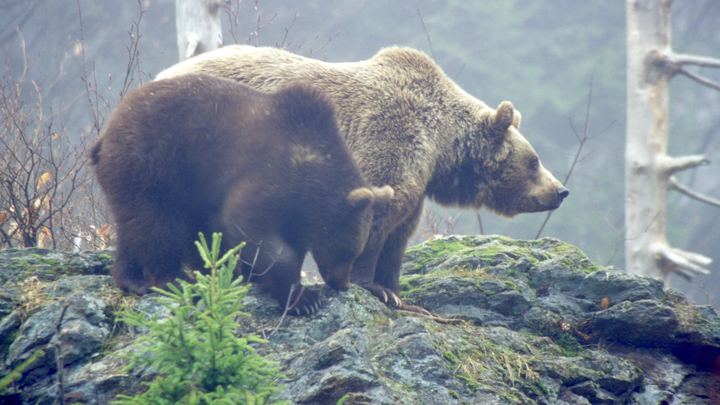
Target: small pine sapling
pixel 196 352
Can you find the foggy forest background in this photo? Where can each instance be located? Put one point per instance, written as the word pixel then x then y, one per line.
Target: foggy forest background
pixel 540 54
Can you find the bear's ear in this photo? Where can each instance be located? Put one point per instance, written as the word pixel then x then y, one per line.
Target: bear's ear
pixel 360 198
pixel 503 117
pixel 383 195
pixel 516 120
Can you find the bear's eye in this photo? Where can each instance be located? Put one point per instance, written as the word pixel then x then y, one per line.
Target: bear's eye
pixel 534 164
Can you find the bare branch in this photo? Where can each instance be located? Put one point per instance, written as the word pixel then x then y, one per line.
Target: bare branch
pixel 232 12
pixel 672 182
pixel 459 71
pixel 672 64
pixel 259 26
pixel 671 165
pixel 287 31
pixel 313 41
pixel 24 55
pixel 581 140
pixel 417 10
pixel 685 264
pixel 621 239
pixel 683 59
pixel 700 79
pixel 285 310
pixel 133 53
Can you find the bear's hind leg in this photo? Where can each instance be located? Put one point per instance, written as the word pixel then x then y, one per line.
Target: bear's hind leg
pixel 163 261
pixel 127 272
pixel 155 241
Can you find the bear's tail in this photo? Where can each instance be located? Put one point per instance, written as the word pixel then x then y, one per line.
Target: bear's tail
pixel 94 153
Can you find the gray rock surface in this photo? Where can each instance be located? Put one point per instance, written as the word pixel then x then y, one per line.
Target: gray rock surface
pixel 535 322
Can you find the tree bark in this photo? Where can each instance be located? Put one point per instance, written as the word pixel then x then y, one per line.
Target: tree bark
pixel 648 168
pixel 199 27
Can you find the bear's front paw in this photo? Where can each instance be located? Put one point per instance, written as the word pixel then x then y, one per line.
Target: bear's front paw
pixel 385 295
pixel 391 299
pixel 303 301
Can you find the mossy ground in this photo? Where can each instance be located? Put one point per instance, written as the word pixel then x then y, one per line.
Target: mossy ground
pixel 474 358
pixel 488 251
pixel 493 264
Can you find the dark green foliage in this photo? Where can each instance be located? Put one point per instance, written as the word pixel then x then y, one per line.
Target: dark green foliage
pixel 196 351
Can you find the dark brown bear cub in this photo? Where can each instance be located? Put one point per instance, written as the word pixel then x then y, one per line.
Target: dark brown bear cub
pixel 202 154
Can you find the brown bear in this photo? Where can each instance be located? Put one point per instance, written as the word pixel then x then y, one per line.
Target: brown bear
pixel 204 154
pixel 409 126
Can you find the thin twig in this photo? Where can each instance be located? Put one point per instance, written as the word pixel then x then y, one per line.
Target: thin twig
pixel 24 55
pixel 285 311
pixel 582 140
pixel 459 71
pixel 617 232
pixel 259 26
pixel 321 47
pixel 417 10
pixel 435 318
pixel 700 79
pixel 672 182
pixel 232 13
pixel 133 53
pixel 708 297
pixel 287 31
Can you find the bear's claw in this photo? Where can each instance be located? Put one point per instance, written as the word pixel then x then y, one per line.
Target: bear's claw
pixel 384 298
pixel 398 301
pixel 307 302
pixel 391 299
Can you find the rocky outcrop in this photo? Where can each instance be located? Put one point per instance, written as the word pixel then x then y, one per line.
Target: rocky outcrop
pixel 524 322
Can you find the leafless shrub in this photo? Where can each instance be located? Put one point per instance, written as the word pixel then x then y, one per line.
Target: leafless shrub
pixel 48 197
pixel 40 170
pixel 232 12
pixel 436 225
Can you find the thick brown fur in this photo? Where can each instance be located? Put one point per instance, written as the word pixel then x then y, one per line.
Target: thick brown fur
pixel 409 126
pixel 198 153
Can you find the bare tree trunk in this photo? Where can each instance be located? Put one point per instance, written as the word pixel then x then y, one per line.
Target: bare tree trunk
pixel 648 168
pixel 199 28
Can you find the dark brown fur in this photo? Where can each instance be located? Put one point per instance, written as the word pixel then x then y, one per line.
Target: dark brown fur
pixel 409 126
pixel 203 154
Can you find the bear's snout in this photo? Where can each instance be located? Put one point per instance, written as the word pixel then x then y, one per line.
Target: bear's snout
pixel 562 193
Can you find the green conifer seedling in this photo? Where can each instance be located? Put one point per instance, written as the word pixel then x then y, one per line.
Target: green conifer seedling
pixel 197 353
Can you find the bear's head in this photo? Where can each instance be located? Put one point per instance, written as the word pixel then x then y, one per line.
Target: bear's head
pixel 497 169
pixel 516 180
pixel 343 241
